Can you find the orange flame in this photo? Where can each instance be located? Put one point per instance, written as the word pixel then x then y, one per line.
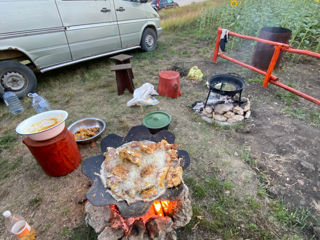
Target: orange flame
pixel 164 208
pixel 158 208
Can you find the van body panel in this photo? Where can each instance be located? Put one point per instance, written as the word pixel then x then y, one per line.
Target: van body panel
pixel 22 15
pixel 51 48
pixel 89 31
pixel 131 20
pixel 44 42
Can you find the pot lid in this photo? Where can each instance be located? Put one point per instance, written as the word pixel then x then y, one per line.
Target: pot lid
pixel 156 120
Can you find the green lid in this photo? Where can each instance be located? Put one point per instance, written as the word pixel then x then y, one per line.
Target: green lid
pixel 156 120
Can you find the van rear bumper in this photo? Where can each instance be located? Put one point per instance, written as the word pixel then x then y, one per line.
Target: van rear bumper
pixel 159 31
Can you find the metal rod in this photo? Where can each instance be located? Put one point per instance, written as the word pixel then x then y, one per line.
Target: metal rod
pixel 207 99
pixel 272 64
pixel 301 94
pixel 272 77
pixel 299 51
pixel 259 39
pixel 216 50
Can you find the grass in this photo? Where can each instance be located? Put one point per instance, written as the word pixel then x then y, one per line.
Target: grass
pixel 220 207
pixel 83 233
pixel 224 214
pixel 184 17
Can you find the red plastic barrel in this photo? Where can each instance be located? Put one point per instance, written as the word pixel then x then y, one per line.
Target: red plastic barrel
pixel 57 156
pixel 169 84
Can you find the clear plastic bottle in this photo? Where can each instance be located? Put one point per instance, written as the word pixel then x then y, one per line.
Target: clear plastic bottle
pixel 12 101
pixel 18 226
pixel 40 104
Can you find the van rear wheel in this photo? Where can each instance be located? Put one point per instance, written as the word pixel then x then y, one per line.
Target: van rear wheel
pixel 148 40
pixel 17 77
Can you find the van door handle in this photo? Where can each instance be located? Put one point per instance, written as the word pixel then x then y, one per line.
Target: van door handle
pixel 104 10
pixel 120 9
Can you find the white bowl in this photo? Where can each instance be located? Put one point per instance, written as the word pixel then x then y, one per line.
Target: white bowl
pixel 43 126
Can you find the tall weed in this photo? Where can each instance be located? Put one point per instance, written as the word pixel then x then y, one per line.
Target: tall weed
pixel 302 17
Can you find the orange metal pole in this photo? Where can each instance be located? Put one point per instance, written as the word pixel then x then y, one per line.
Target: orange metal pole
pixel 247 66
pixel 268 75
pixel 216 50
pixel 301 94
pixel 272 64
pixel 259 40
pixel 299 51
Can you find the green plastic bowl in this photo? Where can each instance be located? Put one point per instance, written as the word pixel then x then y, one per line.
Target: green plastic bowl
pixel 157 121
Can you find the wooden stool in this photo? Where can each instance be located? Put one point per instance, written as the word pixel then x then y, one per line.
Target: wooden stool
pixel 124 74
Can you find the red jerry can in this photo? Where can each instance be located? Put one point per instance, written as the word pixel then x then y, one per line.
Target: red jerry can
pixel 57 156
pixel 169 84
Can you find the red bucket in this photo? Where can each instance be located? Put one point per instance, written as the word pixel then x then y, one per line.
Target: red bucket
pixel 57 156
pixel 169 84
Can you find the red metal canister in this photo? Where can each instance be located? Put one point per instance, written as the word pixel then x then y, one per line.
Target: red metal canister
pixel 169 84
pixel 57 156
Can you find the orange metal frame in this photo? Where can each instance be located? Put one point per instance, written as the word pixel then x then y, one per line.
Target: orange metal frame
pixel 269 78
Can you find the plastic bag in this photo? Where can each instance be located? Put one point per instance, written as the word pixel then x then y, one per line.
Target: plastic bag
pixel 143 96
pixel 195 74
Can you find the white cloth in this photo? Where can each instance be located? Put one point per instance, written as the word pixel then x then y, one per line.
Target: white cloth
pixel 224 33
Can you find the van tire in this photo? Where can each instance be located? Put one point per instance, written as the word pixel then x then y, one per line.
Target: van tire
pixel 148 40
pixel 19 78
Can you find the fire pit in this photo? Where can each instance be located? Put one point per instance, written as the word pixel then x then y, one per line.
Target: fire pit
pixel 224 104
pixel 146 219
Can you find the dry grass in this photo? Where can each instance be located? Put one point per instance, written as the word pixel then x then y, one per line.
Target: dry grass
pixel 179 18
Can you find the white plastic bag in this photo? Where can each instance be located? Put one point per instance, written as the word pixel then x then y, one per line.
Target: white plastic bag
pixel 143 96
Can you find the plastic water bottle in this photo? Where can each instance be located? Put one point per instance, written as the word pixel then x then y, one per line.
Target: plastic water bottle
pixel 18 226
pixel 12 101
pixel 40 104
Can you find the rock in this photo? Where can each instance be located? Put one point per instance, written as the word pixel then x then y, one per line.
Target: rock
pixel 229 114
pixel 209 115
pixel 220 118
pixel 238 110
pixel 138 231
pixel 236 98
pixel 98 217
pixel 317 231
pixel 247 107
pixel 207 119
pixel 235 118
pixel 222 108
pixel 184 213
pixel 244 99
pixel 110 233
pixel 171 235
pixel 247 115
pixel 158 227
pixel 208 110
pixel 307 165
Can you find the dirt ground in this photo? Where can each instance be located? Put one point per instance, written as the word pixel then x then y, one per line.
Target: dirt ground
pixel 282 136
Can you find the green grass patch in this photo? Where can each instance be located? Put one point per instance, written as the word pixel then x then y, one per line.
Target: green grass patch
pixel 7 167
pixel 83 233
pixel 255 80
pixel 6 142
pixel 35 201
pixel 302 219
pixel 222 213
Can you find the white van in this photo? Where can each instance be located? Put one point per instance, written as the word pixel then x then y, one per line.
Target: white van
pixel 49 34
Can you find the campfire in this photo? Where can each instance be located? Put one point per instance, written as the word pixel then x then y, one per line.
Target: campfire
pixel 117 211
pixel 159 222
